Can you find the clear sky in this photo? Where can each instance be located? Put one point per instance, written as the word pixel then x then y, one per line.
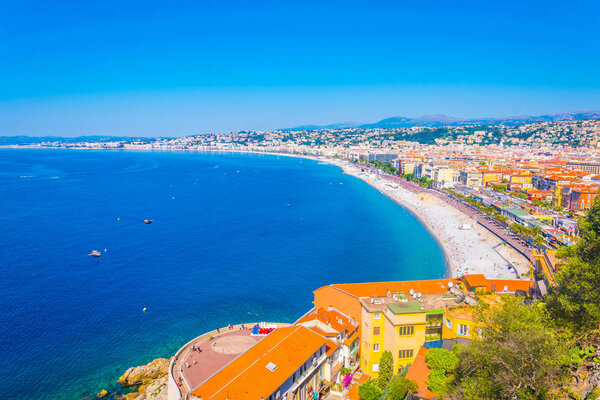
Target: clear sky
pixel 175 68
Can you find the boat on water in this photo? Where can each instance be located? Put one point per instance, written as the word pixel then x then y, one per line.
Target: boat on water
pixel 94 253
pixel 148 221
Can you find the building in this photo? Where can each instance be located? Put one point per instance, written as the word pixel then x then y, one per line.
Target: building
pixel 444 176
pixel 520 179
pixel 402 316
pixel 382 157
pixel 470 177
pixel 343 342
pixel 407 167
pixel 287 364
pixel 582 198
pixel 592 167
pixel 397 316
pixel 489 176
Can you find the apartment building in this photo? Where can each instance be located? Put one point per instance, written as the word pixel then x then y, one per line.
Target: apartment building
pixel 286 364
pixel 471 177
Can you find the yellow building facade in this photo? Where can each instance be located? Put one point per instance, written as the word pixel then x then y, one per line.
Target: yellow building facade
pixel 523 179
pixel 397 326
pixel 458 322
pixel 490 177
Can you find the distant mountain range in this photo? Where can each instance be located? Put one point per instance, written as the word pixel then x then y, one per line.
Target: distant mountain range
pixel 437 120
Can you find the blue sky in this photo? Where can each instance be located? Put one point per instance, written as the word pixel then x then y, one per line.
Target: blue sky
pixel 182 67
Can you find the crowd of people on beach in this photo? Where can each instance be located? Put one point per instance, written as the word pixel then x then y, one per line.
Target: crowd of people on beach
pixel 468 250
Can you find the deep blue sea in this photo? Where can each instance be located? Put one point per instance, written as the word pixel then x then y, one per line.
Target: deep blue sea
pixel 236 238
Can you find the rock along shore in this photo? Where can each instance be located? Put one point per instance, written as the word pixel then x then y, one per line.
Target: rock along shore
pixel 150 380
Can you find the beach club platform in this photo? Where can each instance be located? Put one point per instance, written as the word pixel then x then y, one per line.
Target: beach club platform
pixel 190 367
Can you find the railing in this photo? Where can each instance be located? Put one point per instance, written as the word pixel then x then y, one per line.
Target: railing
pixel 306 374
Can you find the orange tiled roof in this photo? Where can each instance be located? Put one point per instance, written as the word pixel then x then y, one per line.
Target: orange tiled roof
pixel 380 289
pixel 419 372
pixel 475 280
pixel 351 338
pixel 497 285
pixel 331 347
pixel 321 332
pixel 338 321
pixel 353 392
pixel 247 377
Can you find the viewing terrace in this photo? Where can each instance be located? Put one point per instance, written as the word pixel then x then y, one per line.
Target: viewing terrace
pixel 213 350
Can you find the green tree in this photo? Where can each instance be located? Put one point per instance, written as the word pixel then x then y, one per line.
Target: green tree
pixel 400 387
pixel 386 369
pixel 442 363
pixel 520 355
pixel 575 301
pixel 370 390
pixel 539 240
pixel 521 195
pixel 501 218
pixel 499 188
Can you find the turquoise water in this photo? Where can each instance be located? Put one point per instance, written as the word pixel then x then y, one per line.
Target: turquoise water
pixel 236 238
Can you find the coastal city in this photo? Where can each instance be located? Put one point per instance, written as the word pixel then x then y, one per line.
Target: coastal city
pixel 300 200
pixel 538 176
pixel 501 201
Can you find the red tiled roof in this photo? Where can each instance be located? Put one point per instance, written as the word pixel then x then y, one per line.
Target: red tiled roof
pixel 247 377
pixel 475 280
pixel 419 372
pixel 380 289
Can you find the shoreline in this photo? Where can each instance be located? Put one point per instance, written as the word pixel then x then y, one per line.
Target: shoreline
pixel 461 247
pixel 441 219
pixel 483 242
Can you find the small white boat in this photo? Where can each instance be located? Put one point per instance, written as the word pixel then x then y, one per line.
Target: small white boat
pixel 94 253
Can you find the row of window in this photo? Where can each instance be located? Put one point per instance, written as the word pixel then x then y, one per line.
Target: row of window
pixel 403 331
pixel 407 330
pixel 406 353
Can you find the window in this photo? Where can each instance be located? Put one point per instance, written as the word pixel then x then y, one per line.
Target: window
pixel 375 367
pixel 376 330
pixel 407 330
pixel 375 347
pixel 405 353
pixel 376 315
pixel 448 323
pixel 463 330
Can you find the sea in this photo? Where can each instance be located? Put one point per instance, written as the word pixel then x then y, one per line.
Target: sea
pixel 235 238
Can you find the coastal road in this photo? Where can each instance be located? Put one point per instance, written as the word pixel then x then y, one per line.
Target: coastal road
pixel 486 221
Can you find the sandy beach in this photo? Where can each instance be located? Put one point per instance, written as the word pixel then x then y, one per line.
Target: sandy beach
pixel 474 250
pixel 469 248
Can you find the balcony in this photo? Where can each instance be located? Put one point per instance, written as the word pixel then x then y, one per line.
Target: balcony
pixel 306 374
